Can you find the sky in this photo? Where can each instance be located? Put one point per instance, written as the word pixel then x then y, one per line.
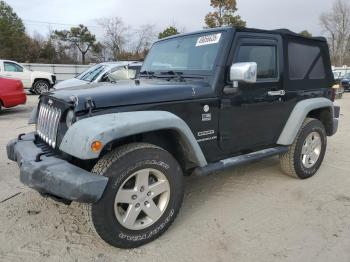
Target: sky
pixel 187 15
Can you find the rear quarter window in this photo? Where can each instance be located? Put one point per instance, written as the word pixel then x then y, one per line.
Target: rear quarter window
pixel 305 62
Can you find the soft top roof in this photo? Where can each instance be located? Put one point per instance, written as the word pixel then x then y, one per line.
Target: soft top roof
pixel 283 32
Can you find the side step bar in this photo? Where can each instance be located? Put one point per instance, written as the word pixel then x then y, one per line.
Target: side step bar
pixel 239 160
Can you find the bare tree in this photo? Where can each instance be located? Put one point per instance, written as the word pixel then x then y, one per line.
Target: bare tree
pixel 336 25
pixel 78 37
pixel 145 35
pixel 116 34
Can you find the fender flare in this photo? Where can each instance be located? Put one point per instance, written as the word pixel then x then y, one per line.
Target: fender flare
pixel 297 117
pixel 107 128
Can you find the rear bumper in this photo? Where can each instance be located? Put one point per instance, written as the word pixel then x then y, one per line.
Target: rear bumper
pixel 52 175
pixel 14 99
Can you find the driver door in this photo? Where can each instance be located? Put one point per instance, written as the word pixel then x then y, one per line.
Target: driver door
pixel 253 115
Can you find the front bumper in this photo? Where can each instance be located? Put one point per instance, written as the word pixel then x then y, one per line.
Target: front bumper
pixel 52 175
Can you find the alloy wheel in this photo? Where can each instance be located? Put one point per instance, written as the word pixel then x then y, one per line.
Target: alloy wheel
pixel 142 199
pixel 311 150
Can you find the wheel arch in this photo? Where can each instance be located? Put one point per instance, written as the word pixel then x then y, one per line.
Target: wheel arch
pixel 36 79
pixel 325 115
pixel 161 128
pixel 168 139
pixel 319 108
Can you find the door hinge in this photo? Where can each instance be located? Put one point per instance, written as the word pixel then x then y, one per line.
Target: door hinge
pixel 225 103
pixel 224 136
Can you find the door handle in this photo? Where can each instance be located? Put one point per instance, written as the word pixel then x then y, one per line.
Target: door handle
pixel 276 93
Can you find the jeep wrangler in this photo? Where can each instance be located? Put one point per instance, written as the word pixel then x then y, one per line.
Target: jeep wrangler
pixel 203 102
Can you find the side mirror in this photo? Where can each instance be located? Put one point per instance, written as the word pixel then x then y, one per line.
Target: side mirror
pixel 244 72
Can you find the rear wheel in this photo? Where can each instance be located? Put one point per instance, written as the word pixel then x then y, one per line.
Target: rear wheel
pixel 306 154
pixel 142 198
pixel 41 87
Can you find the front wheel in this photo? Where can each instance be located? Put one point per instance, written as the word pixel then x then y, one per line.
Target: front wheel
pixel 142 197
pixel 306 154
pixel 41 86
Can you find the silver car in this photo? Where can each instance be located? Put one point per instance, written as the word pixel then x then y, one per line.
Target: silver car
pixel 103 72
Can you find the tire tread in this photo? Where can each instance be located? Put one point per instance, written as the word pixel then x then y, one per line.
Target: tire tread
pixel 287 159
pixel 99 169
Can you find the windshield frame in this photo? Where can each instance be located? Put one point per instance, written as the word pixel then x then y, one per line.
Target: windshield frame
pixel 184 73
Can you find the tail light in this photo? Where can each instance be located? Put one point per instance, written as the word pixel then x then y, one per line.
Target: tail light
pixel 19 85
pixel 333 92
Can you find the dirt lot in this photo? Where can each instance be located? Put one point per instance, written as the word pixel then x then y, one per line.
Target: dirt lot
pixel 254 213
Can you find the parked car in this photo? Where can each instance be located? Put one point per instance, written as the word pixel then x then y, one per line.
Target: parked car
pixel 345 82
pixel 339 73
pixel 103 72
pixel 11 93
pixel 37 82
pixel 204 102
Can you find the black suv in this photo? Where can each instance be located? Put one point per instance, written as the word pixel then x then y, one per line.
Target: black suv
pixel 204 102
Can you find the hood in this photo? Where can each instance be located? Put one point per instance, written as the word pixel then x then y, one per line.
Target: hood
pixel 129 93
pixel 70 83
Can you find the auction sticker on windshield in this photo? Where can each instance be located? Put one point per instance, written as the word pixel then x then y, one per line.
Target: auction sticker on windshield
pixel 208 39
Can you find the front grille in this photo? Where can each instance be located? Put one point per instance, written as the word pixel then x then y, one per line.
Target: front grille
pixel 47 124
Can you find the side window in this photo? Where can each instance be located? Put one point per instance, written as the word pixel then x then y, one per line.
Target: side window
pixel 122 73
pixel 318 70
pixel 264 56
pixel 12 67
pixel 305 62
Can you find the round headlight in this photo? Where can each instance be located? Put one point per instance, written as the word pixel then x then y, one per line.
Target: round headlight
pixel 70 119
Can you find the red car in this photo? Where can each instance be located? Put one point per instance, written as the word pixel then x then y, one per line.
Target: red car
pixel 11 93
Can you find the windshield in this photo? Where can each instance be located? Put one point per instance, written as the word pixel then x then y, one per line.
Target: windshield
pixel 347 75
pixel 92 73
pixel 188 53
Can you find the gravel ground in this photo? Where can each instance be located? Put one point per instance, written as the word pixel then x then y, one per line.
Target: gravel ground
pixel 253 213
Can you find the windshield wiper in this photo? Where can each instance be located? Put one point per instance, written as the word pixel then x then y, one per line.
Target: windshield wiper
pixel 149 74
pixel 178 75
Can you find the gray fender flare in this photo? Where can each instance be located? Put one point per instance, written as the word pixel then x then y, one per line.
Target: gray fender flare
pixel 106 128
pixel 298 116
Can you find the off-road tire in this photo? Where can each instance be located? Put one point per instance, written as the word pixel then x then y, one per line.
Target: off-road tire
pixel 291 162
pixel 118 165
pixel 37 89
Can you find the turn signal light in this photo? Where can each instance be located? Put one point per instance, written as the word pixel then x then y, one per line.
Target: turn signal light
pixel 96 146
